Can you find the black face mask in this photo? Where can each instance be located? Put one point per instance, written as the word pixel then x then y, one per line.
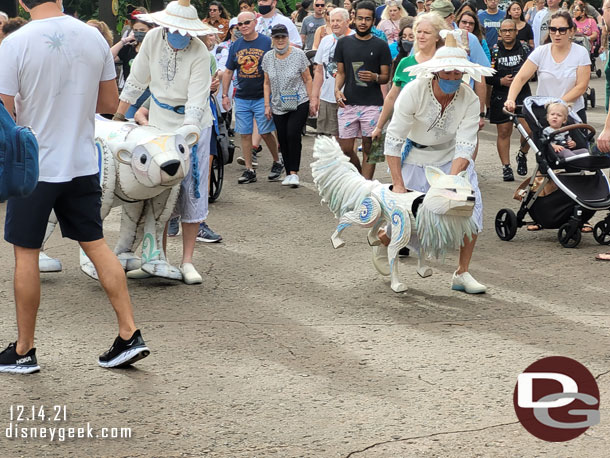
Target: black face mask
pixel 407 46
pixel 365 33
pixel 264 9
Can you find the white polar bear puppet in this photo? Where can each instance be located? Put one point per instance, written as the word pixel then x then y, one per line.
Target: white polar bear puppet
pixel 430 224
pixel 141 168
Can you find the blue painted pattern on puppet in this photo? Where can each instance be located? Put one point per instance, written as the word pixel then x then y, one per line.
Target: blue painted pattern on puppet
pixel 365 214
pixel 406 150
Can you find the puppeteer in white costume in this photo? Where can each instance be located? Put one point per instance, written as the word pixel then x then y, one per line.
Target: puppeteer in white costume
pixel 435 122
pixel 175 66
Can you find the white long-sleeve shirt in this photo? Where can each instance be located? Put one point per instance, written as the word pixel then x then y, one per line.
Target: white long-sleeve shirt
pixel 417 116
pixel 174 78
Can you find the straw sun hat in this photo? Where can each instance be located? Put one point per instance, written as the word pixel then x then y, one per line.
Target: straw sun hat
pixel 179 16
pixel 449 58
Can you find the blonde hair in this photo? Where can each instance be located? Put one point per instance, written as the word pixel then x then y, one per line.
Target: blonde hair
pixel 564 108
pixel 386 13
pixel 437 23
pixel 103 28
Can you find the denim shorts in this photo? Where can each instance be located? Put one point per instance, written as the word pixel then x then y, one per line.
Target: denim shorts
pixel 245 111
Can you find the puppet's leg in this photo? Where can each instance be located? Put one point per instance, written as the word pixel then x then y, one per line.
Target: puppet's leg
pixel 401 233
pixel 366 215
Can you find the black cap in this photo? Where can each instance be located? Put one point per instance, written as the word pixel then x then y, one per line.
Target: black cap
pixel 279 30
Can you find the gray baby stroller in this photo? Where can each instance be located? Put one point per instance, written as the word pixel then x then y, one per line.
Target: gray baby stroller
pixel 580 187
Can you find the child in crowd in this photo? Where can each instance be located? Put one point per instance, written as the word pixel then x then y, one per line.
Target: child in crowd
pixel 557 116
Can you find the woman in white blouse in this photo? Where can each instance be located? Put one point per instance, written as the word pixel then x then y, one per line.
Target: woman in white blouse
pixel 564 68
pixel 176 67
pixel 435 122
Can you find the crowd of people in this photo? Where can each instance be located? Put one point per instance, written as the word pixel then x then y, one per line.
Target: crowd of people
pixel 352 66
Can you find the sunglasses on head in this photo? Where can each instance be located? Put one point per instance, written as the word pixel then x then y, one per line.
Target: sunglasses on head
pixel 561 30
pixel 248 22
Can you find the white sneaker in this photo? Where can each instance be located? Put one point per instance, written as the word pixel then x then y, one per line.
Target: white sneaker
pixel 295 181
pixel 380 259
pixel 190 276
pixel 287 181
pixel 466 282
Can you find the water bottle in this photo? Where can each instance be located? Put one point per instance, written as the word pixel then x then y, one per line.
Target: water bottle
pixel 603 57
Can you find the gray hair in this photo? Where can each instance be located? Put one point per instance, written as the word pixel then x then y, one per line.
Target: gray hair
pixel 344 13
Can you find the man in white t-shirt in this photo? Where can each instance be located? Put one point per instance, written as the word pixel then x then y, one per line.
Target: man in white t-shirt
pixel 540 26
pixel 270 16
pixel 323 93
pixel 56 73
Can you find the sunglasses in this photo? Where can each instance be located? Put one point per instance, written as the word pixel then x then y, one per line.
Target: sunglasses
pixel 468 23
pixel 248 22
pixel 561 30
pixel 319 5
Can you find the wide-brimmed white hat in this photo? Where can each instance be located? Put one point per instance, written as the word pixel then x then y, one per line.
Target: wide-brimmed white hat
pixel 179 16
pixel 449 58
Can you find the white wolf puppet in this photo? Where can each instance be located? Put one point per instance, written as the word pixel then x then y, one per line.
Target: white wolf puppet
pixel 141 168
pixel 430 224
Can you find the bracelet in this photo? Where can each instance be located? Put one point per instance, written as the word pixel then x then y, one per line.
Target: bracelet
pixel 119 117
pixel 225 95
pixel 376 77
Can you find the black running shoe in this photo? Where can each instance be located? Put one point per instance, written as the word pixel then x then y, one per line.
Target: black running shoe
pixel 507 173
pixel 249 176
pixel 13 363
pixel 276 171
pixel 404 252
pixel 125 352
pixel 522 163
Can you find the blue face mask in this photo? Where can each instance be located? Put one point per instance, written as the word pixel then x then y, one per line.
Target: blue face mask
pixel 449 86
pixel 178 41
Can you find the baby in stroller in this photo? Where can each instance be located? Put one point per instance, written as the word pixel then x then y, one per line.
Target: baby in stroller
pixel 562 143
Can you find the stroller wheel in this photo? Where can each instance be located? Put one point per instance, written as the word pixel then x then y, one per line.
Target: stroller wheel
pixel 592 97
pixel 569 235
pixel 598 72
pixel 506 224
pixel 601 233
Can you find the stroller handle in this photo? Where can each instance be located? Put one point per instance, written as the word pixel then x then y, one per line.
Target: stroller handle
pixel 515 114
pixel 573 127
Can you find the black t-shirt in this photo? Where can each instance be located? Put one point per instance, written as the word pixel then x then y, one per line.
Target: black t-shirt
pixel 508 62
pixel 127 54
pixel 357 55
pixel 525 34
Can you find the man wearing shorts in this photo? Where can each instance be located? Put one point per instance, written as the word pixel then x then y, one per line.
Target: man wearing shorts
pixel 507 58
pixel 323 93
pixel 363 65
pixel 246 56
pixel 56 85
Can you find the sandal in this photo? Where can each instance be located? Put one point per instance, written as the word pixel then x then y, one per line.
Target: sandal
pixel 534 227
pixel 603 257
pixel 586 228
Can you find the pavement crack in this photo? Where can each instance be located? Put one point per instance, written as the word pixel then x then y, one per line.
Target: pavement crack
pixel 443 433
pixel 597 377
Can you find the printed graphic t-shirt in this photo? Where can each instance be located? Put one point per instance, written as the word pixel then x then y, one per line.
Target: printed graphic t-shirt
pixel 491 24
pixel 246 57
pixel 357 55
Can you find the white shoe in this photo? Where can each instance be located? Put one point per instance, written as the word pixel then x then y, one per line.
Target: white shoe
pixel 287 181
pixel 295 180
pixel 380 259
pixel 466 282
pixel 137 274
pixel 190 276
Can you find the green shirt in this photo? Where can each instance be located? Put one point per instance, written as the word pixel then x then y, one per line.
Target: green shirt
pixel 400 76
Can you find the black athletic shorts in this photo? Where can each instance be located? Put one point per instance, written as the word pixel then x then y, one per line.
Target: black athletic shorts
pixel 77 205
pixel 496 115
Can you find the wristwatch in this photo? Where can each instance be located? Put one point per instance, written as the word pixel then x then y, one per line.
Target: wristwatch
pixel 482 114
pixel 225 95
